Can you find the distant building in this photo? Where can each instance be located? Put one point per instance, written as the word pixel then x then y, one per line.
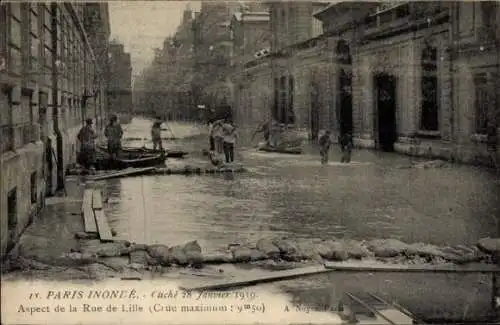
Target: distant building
pixel 120 80
pixel 165 87
pixel 251 38
pixel 96 22
pixel 265 85
pixel 47 73
pixel 213 53
pixel 413 77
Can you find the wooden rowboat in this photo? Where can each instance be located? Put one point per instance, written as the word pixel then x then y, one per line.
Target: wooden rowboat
pixel 128 159
pixel 168 153
pixel 134 152
pixel 290 151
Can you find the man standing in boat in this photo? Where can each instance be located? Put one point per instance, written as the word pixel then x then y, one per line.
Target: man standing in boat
pixel 114 133
pixel 87 137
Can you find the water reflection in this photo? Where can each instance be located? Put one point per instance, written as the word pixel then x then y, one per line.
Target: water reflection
pixel 295 195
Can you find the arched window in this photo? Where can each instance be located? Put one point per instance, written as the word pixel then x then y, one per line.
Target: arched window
pixel 343 52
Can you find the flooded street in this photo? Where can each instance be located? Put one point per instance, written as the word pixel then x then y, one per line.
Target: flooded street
pixel 295 195
pixel 373 197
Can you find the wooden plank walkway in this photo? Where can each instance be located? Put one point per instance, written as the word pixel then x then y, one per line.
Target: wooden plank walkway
pixel 255 279
pixel 121 173
pixel 87 212
pixel 102 226
pixel 96 199
pixel 381 267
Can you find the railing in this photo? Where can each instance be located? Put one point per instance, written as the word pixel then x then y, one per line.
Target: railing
pixel 7 135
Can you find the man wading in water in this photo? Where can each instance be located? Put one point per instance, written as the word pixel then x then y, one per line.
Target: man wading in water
pixel 491 143
pixel 263 128
pixel 229 132
pixel 346 146
pixel 324 146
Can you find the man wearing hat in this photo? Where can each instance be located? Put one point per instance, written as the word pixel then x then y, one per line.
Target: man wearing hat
pixel 114 133
pixel 87 137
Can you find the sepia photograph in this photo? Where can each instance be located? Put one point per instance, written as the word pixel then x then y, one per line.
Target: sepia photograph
pixel 243 162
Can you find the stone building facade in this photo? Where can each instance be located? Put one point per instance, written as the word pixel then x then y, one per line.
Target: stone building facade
pixel 268 87
pixel 419 78
pixel 97 27
pixel 120 80
pixel 46 71
pixel 212 53
pixel 164 87
pixel 251 37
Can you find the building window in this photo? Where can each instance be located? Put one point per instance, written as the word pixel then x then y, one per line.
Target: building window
pixel 34 42
pixel 47 38
pixel 290 116
pixel 291 30
pixel 33 188
pixel 3 37
pixel 15 25
pixel 7 142
pixel 343 52
pixel 276 99
pixel 27 109
pixel 283 100
pixel 11 217
pixel 15 38
pixel 429 119
pixel 482 102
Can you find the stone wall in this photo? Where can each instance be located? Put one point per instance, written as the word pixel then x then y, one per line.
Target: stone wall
pixel 470 146
pixel 21 168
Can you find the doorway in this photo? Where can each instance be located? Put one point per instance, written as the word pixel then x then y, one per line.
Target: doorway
pixel 314 115
pixel 385 100
pixel 345 91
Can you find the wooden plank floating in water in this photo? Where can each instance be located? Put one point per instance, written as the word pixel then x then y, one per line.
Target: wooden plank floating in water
pixel 380 267
pixel 87 212
pixel 196 170
pixel 96 199
pixel 122 173
pixel 255 279
pixel 102 226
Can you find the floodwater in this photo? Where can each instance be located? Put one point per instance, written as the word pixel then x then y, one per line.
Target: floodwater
pixel 294 195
